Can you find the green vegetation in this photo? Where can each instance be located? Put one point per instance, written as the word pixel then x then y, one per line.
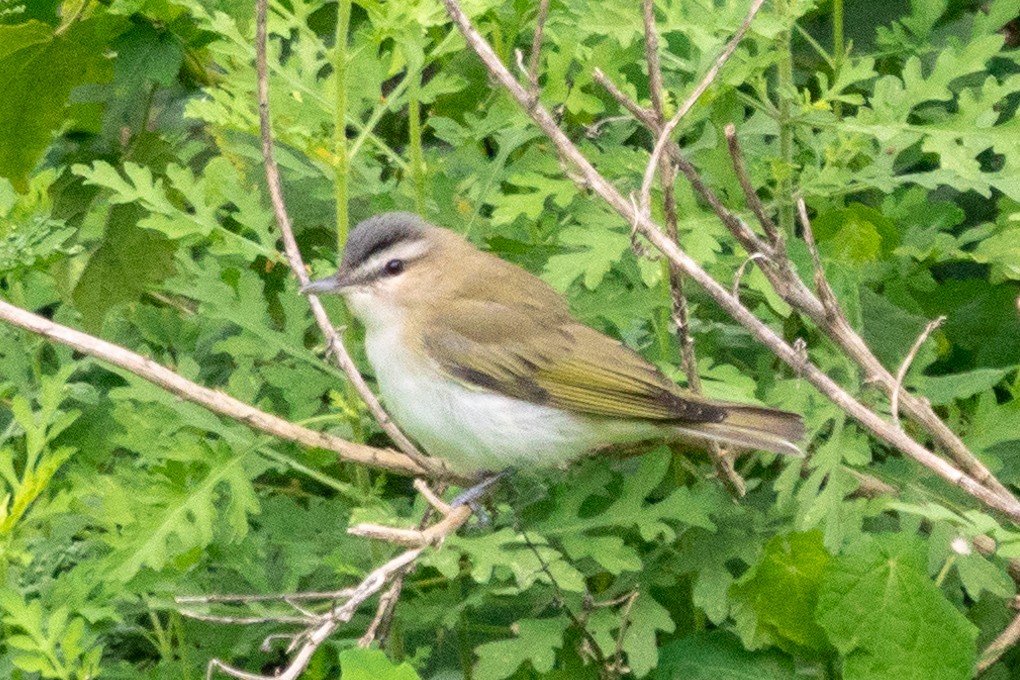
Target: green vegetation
pixel 133 206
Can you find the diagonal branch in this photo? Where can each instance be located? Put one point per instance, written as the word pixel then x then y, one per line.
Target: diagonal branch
pixel 692 99
pixel 216 402
pixel 648 228
pixel 344 604
pixel 688 358
pixel 828 316
pixel 334 344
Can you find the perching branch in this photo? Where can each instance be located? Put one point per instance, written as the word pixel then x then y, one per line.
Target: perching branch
pixel 979 487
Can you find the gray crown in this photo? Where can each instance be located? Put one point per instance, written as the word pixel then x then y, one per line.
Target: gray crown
pixel 378 233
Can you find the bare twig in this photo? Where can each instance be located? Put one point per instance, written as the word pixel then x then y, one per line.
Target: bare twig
pixel 641 113
pixel 334 344
pixel 628 604
pixel 652 60
pixel 738 277
pixel 595 129
pixel 825 293
pixel 217 402
pixel 1000 645
pixel 710 75
pixel 783 278
pixel 318 627
pixel 992 497
pixel 750 195
pixel 905 366
pixel 536 46
pixel 688 358
pixel 418 538
pixel 384 610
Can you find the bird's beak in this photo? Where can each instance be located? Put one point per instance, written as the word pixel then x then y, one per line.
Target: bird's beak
pixel 328 285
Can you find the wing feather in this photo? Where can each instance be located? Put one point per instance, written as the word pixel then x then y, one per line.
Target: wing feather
pixel 543 355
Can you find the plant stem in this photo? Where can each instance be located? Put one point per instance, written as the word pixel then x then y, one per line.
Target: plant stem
pixel 341 163
pixel 784 85
pixel 414 134
pixel 838 48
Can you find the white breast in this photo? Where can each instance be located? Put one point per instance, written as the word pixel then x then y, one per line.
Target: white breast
pixel 473 430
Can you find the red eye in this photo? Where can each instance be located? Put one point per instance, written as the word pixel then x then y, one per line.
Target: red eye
pixel 393 267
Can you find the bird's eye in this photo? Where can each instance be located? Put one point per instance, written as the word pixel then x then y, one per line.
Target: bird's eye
pixel 393 267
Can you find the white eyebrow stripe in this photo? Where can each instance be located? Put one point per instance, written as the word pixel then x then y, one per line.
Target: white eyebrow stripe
pixel 404 250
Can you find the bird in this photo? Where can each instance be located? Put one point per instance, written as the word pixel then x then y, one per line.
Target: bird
pixel 484 364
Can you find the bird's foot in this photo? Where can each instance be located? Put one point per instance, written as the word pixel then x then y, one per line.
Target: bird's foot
pixel 472 495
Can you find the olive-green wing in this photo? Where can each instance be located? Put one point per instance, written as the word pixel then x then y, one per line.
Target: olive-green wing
pixel 547 357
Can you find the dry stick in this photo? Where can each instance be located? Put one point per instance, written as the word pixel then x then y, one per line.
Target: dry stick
pixel 383 611
pixel 722 461
pixel 825 293
pixel 379 628
pixel 830 319
pixel 320 627
pixel 1000 645
pixel 907 360
pixel 871 421
pixel 203 396
pixel 334 344
pixel 667 130
pixel 738 277
pixel 784 279
pixel 750 195
pixel 652 60
pixel 536 46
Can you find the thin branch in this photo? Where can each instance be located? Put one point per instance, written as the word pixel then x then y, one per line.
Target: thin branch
pixel 709 77
pixel 750 195
pixel 334 344
pixel 383 611
pixel 830 303
pixel 318 628
pixel 536 46
pixel 641 113
pixel 628 604
pixel 738 277
pixel 216 402
pixel 722 461
pixel 783 278
pixel 905 366
pixel 652 60
pixel 789 355
pixel 1000 645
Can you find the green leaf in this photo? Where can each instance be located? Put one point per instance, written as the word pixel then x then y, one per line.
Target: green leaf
pixel 647 618
pixel 38 71
pixel 945 389
pixel 373 664
pixel 886 617
pixel 593 253
pixel 536 642
pixel 782 590
pixel 116 274
pixel 855 234
pixel 978 574
pixel 718 655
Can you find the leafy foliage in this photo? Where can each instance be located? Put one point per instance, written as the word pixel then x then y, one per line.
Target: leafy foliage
pixel 133 205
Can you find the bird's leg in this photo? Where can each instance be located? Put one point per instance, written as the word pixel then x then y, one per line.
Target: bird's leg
pixel 471 496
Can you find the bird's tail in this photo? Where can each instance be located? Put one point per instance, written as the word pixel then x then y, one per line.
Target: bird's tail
pixel 751 427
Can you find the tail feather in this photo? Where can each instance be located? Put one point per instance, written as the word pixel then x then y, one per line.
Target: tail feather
pixel 752 427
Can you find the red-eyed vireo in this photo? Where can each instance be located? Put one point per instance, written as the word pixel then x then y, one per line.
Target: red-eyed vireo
pixel 483 364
